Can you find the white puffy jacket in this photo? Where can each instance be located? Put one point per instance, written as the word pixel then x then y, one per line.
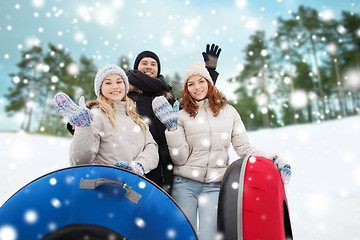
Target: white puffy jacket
pixel 199 146
pixel 101 144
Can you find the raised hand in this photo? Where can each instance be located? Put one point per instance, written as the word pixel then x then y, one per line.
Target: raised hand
pixel 78 115
pixel 167 114
pixel 211 56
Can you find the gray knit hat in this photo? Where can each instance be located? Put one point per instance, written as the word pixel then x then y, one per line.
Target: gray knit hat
pixel 198 69
pixel 106 71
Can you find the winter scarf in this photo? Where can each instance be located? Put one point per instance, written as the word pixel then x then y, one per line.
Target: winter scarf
pixel 147 84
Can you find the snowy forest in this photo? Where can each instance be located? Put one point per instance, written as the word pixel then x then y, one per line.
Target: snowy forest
pixel 307 72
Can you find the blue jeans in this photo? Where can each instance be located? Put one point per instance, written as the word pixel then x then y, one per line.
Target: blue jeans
pixel 200 200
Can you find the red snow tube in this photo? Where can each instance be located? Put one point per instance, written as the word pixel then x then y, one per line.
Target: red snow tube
pixel 252 202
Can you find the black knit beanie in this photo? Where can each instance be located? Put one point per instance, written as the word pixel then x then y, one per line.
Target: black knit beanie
pixel 147 54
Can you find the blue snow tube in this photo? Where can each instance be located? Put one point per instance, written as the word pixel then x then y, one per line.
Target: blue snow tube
pixel 93 202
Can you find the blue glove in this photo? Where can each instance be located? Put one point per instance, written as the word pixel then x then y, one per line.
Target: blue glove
pixel 134 167
pixel 284 169
pixel 78 115
pixel 167 114
pixel 211 56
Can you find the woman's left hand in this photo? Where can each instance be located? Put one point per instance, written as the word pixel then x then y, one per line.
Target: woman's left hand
pixel 284 169
pixel 134 167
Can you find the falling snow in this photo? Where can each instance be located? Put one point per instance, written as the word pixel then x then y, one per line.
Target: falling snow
pixel 324 191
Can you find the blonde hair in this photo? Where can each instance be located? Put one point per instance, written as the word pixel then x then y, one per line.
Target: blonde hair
pixel 108 107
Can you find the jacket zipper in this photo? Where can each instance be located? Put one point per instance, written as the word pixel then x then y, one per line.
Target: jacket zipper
pixel 208 161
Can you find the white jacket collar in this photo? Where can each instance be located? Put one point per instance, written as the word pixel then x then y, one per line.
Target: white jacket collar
pixel 203 103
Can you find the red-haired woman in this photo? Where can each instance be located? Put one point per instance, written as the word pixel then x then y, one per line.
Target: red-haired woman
pixel 198 138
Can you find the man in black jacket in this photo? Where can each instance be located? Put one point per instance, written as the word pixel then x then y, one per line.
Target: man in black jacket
pixel 146 83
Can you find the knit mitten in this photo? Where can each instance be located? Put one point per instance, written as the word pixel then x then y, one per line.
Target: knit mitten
pixel 285 174
pixel 133 166
pixel 78 115
pixel 167 114
pixel 211 56
pixel 284 169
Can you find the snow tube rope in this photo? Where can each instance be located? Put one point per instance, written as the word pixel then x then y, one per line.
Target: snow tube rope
pixel 94 183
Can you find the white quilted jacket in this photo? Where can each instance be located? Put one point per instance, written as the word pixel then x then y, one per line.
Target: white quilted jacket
pixel 101 144
pixel 199 147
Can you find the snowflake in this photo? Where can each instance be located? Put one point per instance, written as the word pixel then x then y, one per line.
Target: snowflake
pixel 8 232
pixel 241 3
pixel 69 179
pixel 140 222
pixel 175 151
pixel 53 181
pixel 205 142
pixel 341 29
pixel 252 159
pixel 30 216
pixel 171 233
pixel 52 226
pixel 142 185
pixel 55 203
pixel 54 79
pixel 264 53
pixel 167 41
pixel 203 200
pixel 327 15
pixel 73 69
pixel 352 78
pixel 298 99
pixel 195 173
pixel 235 185
pixel 16 79
pixel 136 129
pixel 220 162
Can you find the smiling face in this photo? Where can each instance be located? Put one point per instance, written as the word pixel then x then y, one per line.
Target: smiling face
pixel 148 66
pixel 197 87
pixel 113 87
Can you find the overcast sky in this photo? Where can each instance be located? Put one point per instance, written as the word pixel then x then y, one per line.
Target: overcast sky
pixel 177 30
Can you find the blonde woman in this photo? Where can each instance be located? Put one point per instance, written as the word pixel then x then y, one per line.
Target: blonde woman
pixel 111 133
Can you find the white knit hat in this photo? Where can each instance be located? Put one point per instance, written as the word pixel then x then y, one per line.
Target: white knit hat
pixel 106 71
pixel 198 69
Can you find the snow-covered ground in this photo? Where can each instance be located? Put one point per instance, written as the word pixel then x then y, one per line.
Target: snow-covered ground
pixel 323 195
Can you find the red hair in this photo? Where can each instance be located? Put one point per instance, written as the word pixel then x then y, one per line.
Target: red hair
pixel 216 100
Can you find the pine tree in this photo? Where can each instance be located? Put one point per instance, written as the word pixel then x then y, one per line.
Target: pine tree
pixel 256 70
pixel 86 76
pixel 351 32
pixel 310 28
pixel 286 41
pixel 59 78
pixel 124 63
pixel 22 97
